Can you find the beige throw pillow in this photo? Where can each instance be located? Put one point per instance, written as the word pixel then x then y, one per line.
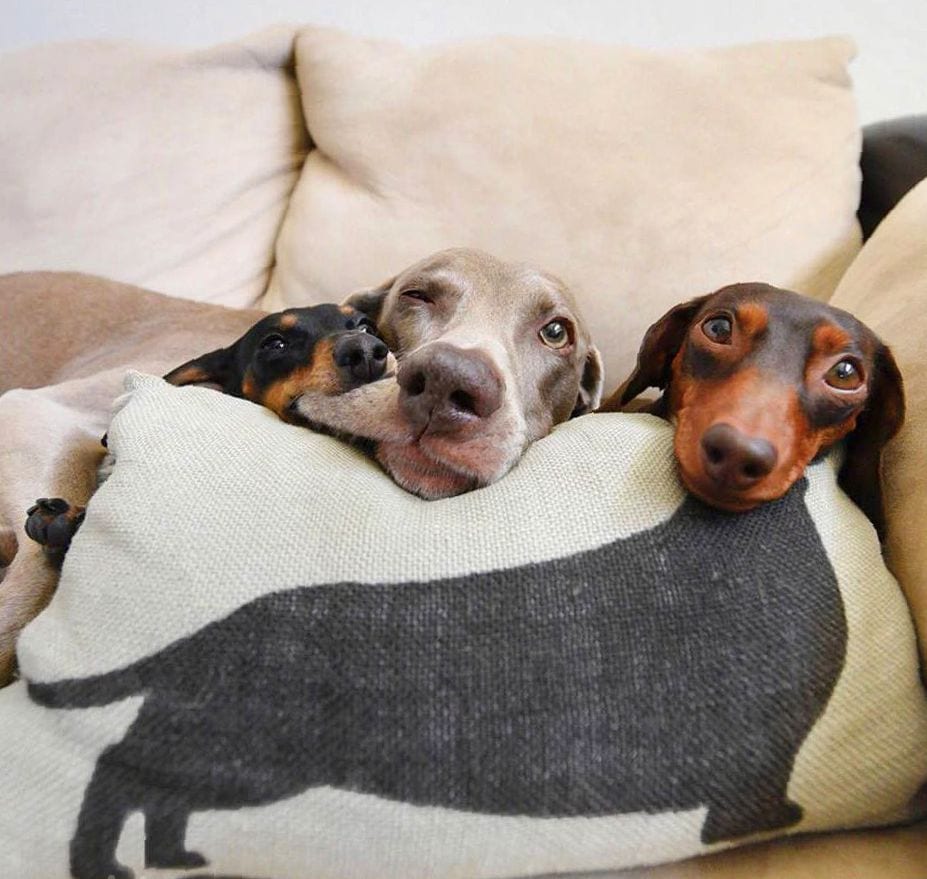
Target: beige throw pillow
pixel 295 669
pixel 166 168
pixel 887 288
pixel 641 178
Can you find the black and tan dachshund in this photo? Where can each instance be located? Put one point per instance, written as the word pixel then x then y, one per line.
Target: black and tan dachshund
pixel 328 349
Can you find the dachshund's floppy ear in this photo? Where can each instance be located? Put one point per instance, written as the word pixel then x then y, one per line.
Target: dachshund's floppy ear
pixel 370 301
pixel 656 354
pixel 214 368
pixel 590 385
pixel 860 475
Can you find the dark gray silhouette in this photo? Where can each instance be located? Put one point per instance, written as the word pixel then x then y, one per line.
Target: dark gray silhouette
pixel 680 667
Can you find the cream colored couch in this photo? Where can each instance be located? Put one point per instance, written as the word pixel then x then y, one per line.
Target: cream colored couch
pixel 300 164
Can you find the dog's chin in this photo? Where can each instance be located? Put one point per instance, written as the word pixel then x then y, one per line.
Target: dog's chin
pixel 422 474
pixel 731 500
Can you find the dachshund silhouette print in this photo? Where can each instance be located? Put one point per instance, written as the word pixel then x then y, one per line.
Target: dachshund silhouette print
pixel 677 668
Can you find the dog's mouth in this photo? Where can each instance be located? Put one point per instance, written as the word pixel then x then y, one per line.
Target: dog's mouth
pixel 439 464
pixel 414 469
pixel 729 499
pixel 431 464
pixel 733 465
pixel 734 498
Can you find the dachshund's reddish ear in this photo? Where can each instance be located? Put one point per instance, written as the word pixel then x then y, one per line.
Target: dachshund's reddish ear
pixel 656 354
pixel 860 475
pixel 214 368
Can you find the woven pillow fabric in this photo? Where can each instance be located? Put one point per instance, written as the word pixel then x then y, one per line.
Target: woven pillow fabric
pixel 265 655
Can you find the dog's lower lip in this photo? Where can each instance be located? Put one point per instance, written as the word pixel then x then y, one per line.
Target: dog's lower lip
pixel 420 449
pixel 730 502
pixel 422 473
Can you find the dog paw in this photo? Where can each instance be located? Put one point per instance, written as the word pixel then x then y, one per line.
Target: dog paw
pixel 52 522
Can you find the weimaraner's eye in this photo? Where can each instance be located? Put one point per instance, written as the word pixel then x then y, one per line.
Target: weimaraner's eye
pixel 555 334
pixel 418 296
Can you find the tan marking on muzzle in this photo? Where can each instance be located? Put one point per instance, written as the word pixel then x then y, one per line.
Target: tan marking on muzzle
pixel 320 376
pixel 756 406
pixel 247 387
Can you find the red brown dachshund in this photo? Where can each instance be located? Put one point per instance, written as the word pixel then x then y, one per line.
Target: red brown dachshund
pixel 327 349
pixel 759 381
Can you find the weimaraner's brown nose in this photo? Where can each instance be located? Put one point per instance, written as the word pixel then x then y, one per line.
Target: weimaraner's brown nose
pixel 444 388
pixel 735 460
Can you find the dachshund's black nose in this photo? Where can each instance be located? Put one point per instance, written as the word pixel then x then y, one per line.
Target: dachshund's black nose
pixel 445 388
pixel 361 356
pixel 735 460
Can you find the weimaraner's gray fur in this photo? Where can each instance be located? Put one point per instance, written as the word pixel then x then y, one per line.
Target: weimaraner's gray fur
pixel 477 382
pixel 69 338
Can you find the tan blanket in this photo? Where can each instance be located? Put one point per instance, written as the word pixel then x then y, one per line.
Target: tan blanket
pixel 67 342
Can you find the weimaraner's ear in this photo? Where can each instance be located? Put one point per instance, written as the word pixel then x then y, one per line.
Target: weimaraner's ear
pixel 661 343
pixel 370 300
pixel 860 475
pixel 214 368
pixel 590 385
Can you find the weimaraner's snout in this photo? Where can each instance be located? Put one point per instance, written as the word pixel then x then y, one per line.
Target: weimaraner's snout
pixel 446 389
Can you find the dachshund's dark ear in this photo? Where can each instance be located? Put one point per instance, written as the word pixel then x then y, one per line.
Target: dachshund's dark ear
pixel 590 384
pixel 370 301
pixel 661 343
pixel 860 475
pixel 214 368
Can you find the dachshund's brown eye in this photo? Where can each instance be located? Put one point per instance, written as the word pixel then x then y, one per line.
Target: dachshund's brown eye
pixel 718 329
pixel 845 376
pixel 273 342
pixel 555 334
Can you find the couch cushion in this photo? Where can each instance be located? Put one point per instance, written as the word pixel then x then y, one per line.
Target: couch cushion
pixel 641 178
pixel 575 668
pixel 165 168
pixel 887 288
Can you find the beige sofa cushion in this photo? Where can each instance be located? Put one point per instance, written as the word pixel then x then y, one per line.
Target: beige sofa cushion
pixel 887 288
pixel 165 168
pixel 641 178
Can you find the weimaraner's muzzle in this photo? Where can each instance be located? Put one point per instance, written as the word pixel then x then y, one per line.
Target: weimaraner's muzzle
pixel 491 356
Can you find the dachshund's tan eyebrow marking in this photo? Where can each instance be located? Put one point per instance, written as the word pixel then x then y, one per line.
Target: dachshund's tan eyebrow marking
pixel 319 375
pixel 828 338
pixel 288 321
pixel 753 318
